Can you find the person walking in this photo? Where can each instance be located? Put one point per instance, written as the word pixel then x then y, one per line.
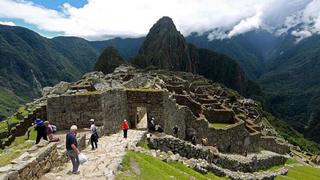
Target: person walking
pixel 41 130
pixel 72 149
pixel 124 126
pixel 94 134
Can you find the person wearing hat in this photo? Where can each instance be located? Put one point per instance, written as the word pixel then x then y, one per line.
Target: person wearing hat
pixel 72 149
pixel 94 134
pixel 124 126
pixel 41 130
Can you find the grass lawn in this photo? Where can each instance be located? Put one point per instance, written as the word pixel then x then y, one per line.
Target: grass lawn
pixel 302 173
pixel 219 125
pixel 141 166
pixel 15 149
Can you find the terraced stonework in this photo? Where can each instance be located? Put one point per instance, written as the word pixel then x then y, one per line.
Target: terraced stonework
pixel 189 101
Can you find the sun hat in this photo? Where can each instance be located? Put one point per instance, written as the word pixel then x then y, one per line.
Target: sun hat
pixel 38 122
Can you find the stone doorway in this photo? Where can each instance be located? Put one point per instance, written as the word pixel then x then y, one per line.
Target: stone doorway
pixel 140 120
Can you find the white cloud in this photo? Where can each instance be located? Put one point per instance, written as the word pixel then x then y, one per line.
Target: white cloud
pixel 8 23
pixel 245 25
pixel 127 18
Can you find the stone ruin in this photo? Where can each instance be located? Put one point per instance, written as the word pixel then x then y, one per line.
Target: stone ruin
pixel 189 101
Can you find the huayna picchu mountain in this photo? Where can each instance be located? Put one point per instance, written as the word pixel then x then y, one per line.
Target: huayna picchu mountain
pixel 166 48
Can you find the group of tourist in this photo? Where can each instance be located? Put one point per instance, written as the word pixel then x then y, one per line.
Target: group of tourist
pixel 72 144
pixel 45 131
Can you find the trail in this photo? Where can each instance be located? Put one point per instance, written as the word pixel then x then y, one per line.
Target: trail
pixel 103 162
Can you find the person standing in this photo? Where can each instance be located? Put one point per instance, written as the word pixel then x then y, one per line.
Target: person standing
pixel 124 126
pixel 175 131
pixel 94 134
pixel 72 149
pixel 41 130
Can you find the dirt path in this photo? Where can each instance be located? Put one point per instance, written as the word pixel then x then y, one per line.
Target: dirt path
pixel 103 162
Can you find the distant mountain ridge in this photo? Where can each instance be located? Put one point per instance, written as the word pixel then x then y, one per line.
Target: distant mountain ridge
pixel 287 70
pixel 166 48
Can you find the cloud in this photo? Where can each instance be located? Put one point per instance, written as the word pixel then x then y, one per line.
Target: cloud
pixel 8 23
pixel 100 19
pixel 245 25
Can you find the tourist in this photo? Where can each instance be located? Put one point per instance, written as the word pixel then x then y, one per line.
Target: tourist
pixel 194 140
pixel 204 141
pixel 72 149
pixel 50 130
pixel 152 125
pixel 245 154
pixel 94 134
pixel 175 131
pixel 41 130
pixel 124 126
pixel 158 128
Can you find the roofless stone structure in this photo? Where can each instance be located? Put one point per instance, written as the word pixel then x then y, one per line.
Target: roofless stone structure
pixel 196 105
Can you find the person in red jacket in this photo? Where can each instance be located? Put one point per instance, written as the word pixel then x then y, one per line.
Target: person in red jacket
pixel 124 126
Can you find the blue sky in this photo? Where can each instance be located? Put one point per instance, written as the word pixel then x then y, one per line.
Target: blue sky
pixel 104 19
pixel 50 4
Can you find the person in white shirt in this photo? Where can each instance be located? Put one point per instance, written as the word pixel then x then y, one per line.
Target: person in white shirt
pixel 94 135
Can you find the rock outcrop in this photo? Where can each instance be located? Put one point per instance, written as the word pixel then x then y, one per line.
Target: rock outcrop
pixel 166 48
pixel 108 60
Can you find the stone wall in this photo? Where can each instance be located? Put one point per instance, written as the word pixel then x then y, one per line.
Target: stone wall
pixel 37 160
pixel 34 164
pixel 219 115
pixel 20 128
pixel 232 162
pixel 64 111
pixel 114 110
pixel 152 100
pixel 271 143
pixel 234 139
pixel 174 115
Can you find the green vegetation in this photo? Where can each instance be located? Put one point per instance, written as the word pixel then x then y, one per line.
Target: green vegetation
pixel 87 92
pixel 289 162
pixel 15 149
pixel 9 101
pixel 144 89
pixel 141 166
pixel 143 143
pixel 301 173
pixel 291 135
pixel 219 125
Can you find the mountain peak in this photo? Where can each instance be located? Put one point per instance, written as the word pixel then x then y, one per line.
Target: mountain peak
pixel 163 25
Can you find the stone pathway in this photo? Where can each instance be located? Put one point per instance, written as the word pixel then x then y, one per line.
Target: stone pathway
pixel 103 162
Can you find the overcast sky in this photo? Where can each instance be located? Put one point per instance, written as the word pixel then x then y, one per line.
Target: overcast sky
pixel 102 19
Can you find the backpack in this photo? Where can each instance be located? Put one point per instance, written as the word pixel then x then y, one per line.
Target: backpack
pixel 53 128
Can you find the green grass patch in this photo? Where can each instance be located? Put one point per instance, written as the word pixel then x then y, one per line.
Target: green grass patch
pixel 289 161
pixel 141 166
pixel 144 90
pixel 219 125
pixel 87 92
pixel 14 150
pixel 143 143
pixel 302 173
